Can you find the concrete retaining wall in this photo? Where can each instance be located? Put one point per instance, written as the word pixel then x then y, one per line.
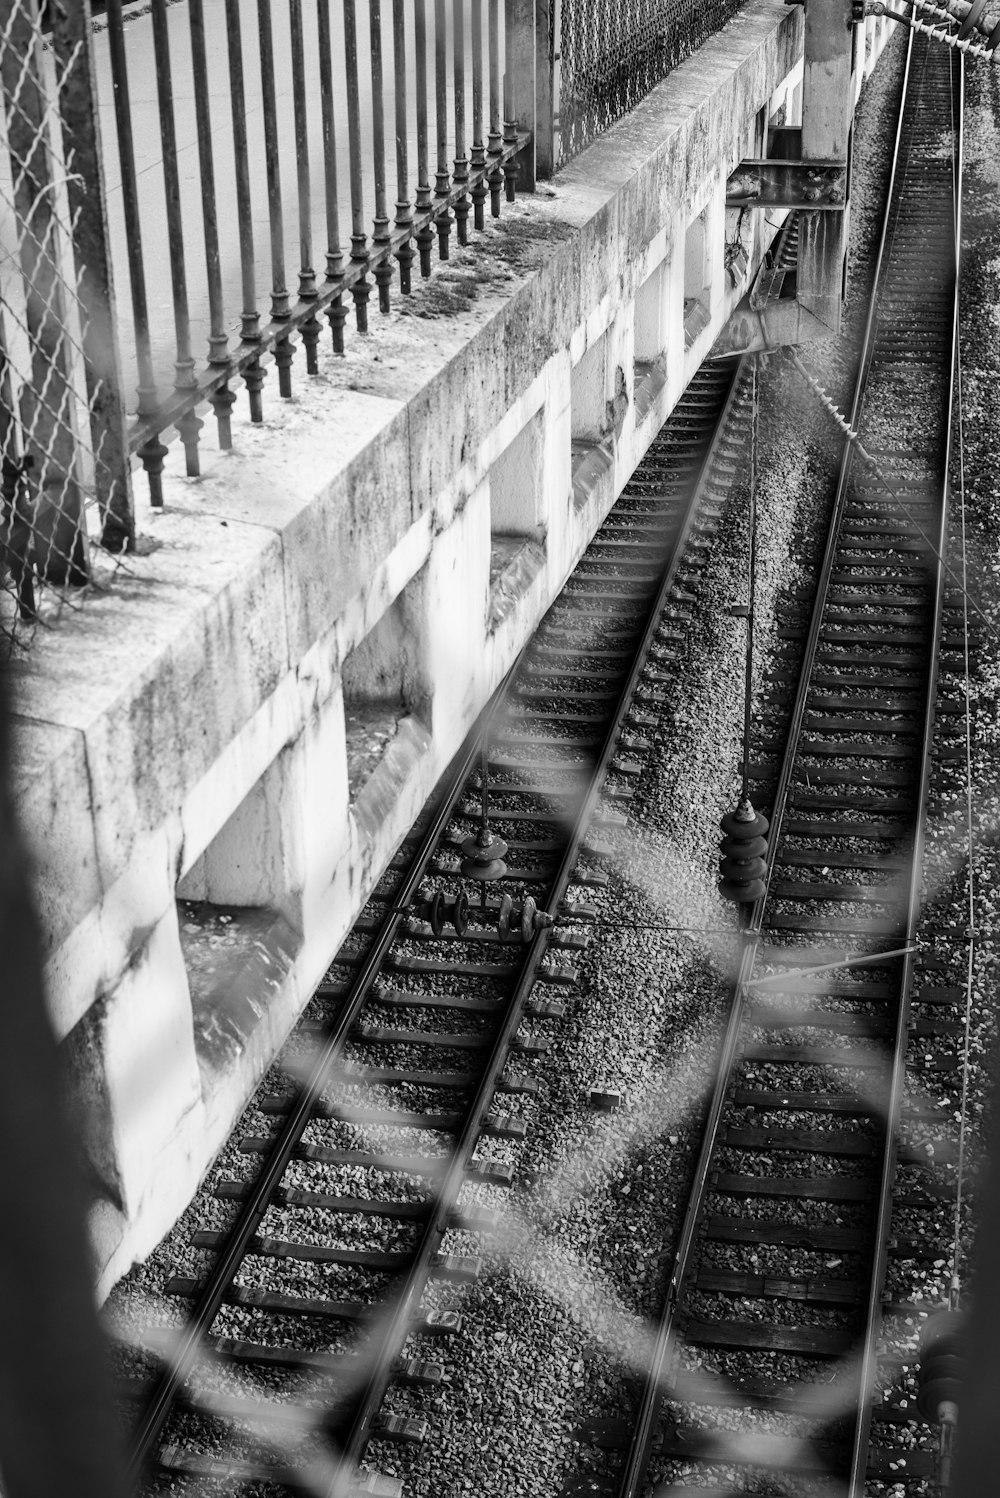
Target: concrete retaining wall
pixel 218 758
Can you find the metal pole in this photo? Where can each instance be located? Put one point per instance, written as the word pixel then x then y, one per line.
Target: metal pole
pixel 381 238
pixel 425 234
pixel 442 180
pixel 478 163
pixel 152 452
pixel 222 397
pixel 544 65
pixel 308 292
pixel 461 165
pixel 280 301
pixel 405 253
pixel 250 318
pixel 334 253
pixel 360 290
pixel 495 145
pixel 184 375
pixel 250 315
pixel 519 83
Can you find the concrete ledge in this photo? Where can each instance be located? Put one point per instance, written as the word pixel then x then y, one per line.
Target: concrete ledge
pixel 187 729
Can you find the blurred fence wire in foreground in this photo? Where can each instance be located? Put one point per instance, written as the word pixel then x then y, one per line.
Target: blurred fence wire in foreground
pixel 65 479
pixel 57 1431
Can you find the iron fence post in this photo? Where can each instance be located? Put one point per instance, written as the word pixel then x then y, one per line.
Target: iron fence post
pixel 520 83
pixel 544 119
pixel 73 42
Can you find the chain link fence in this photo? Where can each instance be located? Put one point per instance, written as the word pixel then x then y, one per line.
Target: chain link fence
pixel 610 53
pixel 66 501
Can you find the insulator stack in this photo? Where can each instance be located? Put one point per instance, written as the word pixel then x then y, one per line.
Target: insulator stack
pixel 524 922
pixel 743 846
pixel 942 1367
pixel 483 856
pixel 438 909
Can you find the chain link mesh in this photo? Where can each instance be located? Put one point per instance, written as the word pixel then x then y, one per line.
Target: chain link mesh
pixel 64 490
pixel 611 53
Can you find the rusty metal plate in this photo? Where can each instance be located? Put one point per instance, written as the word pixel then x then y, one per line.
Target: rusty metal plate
pixel 788 184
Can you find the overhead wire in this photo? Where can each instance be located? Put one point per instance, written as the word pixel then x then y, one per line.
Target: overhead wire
pixel 854 439
pixel 751 585
pixel 960 44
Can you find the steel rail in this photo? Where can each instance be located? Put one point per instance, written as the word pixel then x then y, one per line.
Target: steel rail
pixel 185 1355
pixel 664 1346
pixel 883 1222
pixel 837 511
pixel 357 1436
pixel 645 1426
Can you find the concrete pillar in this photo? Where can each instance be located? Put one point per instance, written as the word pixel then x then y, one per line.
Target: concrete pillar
pixel 316 786
pixel 135 1080
pixel 588 399
pixel 455 602
pixel 250 862
pixel 649 317
pixel 557 485
pixel 619 396
pixel 673 294
pixel 517 500
pixel 696 254
pixel 282 844
pixel 715 234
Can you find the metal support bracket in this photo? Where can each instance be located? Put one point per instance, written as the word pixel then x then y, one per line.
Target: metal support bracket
pixel 788 184
pixel 754 329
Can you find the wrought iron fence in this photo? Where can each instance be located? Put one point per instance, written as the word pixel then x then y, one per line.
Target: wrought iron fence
pixel 313 89
pixel 241 138
pixel 243 197
pixel 610 54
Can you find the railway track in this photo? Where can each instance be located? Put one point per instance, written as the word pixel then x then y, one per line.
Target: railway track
pixel 783 1359
pixel 328 1290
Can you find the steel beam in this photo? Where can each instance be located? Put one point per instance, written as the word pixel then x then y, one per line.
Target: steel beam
pixel 827 96
pixel 814 185
pixel 827 113
pixel 788 184
pixel 753 329
pixel 520 81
